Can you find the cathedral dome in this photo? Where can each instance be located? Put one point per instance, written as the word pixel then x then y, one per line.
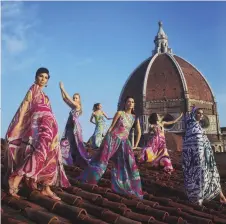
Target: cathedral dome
pixel 168 84
pixel 165 76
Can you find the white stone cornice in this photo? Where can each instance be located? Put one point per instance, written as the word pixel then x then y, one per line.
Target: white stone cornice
pixel 201 101
pixel 163 101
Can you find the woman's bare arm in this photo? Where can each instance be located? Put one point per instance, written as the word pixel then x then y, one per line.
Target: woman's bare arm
pixel 91 118
pixel 172 122
pixel 67 99
pixel 138 129
pixel 116 117
pixel 106 116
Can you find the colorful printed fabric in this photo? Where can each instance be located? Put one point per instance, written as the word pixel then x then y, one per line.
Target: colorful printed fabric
pixel 125 177
pixel 98 135
pixel 72 146
pixel 33 144
pixel 156 152
pixel 201 177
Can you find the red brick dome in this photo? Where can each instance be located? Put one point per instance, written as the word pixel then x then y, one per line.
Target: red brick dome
pixel 165 76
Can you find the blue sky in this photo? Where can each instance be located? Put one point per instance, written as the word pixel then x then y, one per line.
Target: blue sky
pixel 94 46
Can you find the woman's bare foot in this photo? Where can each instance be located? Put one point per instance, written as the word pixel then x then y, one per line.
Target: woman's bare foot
pixel 168 171
pixel 47 192
pixel 13 190
pixel 222 198
pixel 223 201
pixel 199 202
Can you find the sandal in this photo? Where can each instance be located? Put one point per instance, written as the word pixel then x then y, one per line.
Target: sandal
pixel 52 196
pixel 223 202
pixel 13 192
pixel 168 171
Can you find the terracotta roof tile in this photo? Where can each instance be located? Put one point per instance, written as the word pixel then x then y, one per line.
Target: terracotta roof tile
pixel 69 198
pixel 139 217
pixel 174 220
pixel 42 216
pixel 5 219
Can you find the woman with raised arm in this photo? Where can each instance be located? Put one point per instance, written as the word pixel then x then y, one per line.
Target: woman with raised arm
pixel 156 152
pixel 125 177
pixel 72 146
pixel 96 139
pixel 33 145
pixel 201 177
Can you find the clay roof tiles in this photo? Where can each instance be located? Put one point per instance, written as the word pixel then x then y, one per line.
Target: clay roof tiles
pixel 164 201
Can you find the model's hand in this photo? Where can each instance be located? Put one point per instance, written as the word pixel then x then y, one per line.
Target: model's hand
pixel 61 85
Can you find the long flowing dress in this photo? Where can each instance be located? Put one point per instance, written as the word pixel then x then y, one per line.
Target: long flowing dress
pixel 98 135
pixel 201 177
pixel 156 152
pixel 125 177
pixel 72 145
pixel 33 143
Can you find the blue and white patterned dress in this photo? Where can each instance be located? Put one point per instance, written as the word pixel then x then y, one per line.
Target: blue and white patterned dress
pixel 201 177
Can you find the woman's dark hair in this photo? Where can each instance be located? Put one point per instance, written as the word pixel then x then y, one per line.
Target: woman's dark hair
pixel 129 97
pixel 95 106
pixel 198 109
pixel 153 118
pixel 42 70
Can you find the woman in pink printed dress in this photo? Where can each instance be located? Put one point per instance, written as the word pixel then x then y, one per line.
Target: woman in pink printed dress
pixel 72 145
pixel 33 143
pixel 156 152
pixel 125 177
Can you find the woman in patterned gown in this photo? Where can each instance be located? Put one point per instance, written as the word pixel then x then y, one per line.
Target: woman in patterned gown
pixel 72 145
pixel 33 144
pixel 156 153
pixel 125 177
pixel 201 177
pixel 96 139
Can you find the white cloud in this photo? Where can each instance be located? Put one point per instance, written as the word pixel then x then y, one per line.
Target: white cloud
pixel 19 21
pixel 11 9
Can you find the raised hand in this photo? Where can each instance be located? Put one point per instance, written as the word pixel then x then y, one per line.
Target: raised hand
pixel 61 85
